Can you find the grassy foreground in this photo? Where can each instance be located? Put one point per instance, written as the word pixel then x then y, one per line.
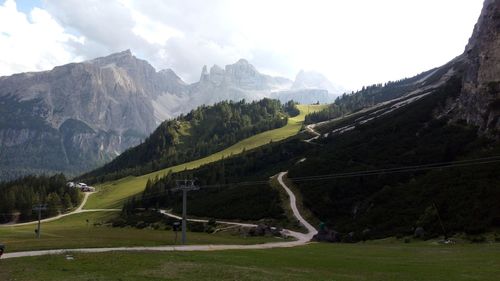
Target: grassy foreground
pixel 73 232
pixel 112 194
pixel 312 262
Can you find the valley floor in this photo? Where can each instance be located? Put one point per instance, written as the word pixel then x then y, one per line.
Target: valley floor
pixel 414 261
pixel 74 232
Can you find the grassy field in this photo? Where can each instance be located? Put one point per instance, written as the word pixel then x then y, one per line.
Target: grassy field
pixel 73 232
pixel 112 194
pixel 419 261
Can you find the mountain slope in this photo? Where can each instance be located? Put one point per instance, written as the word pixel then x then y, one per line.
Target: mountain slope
pixel 451 115
pixel 374 171
pixel 199 133
pixel 76 117
pixel 407 136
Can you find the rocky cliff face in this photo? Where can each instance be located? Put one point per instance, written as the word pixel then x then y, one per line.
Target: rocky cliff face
pixel 237 81
pixel 479 101
pixel 79 115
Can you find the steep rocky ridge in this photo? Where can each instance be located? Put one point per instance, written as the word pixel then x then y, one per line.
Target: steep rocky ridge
pixel 78 115
pixel 479 101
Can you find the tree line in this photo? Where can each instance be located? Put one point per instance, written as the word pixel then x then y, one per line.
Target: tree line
pixel 18 197
pixel 369 96
pixel 463 199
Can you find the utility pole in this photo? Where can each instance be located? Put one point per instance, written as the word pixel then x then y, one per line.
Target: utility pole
pixel 440 221
pixel 185 186
pixel 39 208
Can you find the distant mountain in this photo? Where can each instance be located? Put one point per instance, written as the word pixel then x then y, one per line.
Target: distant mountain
pixel 78 116
pixel 315 80
pixel 235 82
pixel 310 87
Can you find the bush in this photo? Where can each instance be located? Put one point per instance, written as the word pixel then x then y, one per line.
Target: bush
pixel 119 222
pixel 476 238
pixel 196 226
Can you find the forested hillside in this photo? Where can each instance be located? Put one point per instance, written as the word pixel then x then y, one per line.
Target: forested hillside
pixel 372 206
pixel 230 189
pixel 199 133
pixel 18 197
pixel 374 94
pixel 463 197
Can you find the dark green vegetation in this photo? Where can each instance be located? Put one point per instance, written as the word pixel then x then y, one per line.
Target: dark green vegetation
pixel 224 183
pixel 18 197
pixel 374 94
pixel 201 132
pixel 464 198
pixel 385 262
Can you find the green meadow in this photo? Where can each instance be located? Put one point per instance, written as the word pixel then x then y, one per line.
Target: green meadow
pixel 74 232
pixel 339 262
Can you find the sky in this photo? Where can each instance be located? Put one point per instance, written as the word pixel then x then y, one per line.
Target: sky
pixel 353 43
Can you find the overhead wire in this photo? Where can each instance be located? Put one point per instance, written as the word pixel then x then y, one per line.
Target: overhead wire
pixel 404 169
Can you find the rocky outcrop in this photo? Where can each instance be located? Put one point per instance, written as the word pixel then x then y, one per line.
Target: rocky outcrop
pixel 479 101
pixel 237 81
pixel 79 115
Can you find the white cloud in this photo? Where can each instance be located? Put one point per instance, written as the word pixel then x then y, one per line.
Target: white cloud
pixel 32 42
pixel 152 31
pixel 353 43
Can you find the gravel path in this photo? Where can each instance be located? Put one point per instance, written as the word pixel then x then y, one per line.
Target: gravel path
pixel 301 238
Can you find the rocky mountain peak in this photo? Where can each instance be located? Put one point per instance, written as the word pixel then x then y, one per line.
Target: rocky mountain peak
pixel 479 101
pixel 314 80
pixel 115 58
pixel 170 76
pixel 216 69
pixel 241 68
pixel 242 62
pixel 204 77
pixel 216 74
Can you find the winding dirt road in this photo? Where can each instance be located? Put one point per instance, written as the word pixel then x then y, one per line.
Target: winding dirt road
pixel 310 128
pixel 76 211
pixel 301 238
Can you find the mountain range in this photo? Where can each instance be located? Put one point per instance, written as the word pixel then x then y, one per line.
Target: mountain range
pixel 78 116
pixel 388 160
